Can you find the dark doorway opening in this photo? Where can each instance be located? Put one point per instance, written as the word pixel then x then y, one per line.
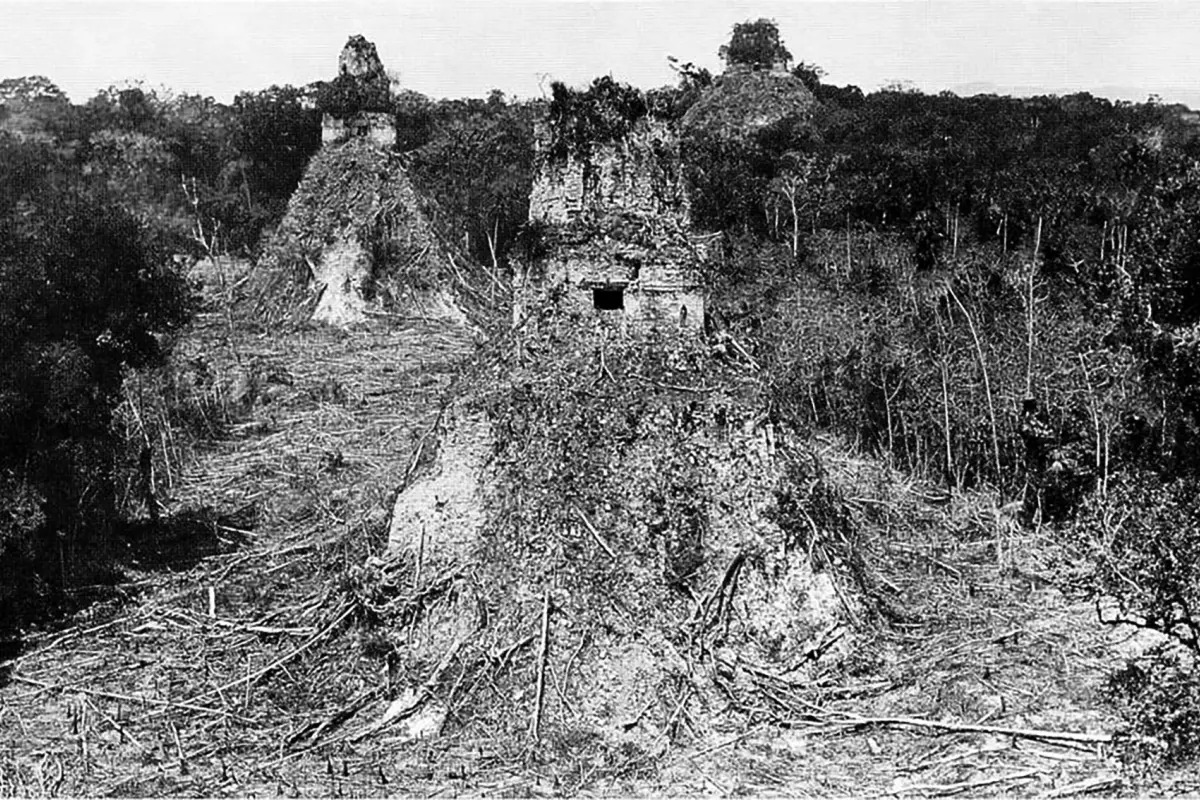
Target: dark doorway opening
pixel 611 298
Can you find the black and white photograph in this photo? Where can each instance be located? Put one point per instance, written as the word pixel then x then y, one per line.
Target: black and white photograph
pixel 576 398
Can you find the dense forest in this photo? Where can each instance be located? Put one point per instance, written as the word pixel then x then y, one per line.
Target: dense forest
pixel 984 291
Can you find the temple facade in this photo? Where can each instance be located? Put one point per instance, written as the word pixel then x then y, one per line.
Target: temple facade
pixel 617 232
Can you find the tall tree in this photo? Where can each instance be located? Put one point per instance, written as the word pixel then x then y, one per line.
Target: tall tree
pixel 477 166
pixel 84 295
pixel 275 132
pixel 755 44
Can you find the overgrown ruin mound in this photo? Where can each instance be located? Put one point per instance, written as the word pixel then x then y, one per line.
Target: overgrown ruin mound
pixel 741 103
pixel 355 241
pixel 616 540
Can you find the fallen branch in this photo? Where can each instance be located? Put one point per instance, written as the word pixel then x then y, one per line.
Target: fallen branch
pixel 955 788
pixel 117 726
pixel 1101 784
pixel 254 676
pixel 312 732
pixel 737 345
pixel 587 523
pixel 539 697
pixel 500 659
pixel 677 387
pixel 407 704
pixel 714 748
pixel 128 698
pixel 721 596
pixel 1020 733
pixel 389 315
pixel 416 458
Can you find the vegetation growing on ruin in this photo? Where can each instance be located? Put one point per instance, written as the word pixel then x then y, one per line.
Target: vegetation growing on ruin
pixel 347 95
pixel 604 112
pixel 755 44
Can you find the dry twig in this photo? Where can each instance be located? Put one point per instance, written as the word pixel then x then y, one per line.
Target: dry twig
pixel 964 786
pixel 929 724
pixel 539 696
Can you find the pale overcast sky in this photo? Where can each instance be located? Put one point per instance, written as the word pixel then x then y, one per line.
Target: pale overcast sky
pixel 466 47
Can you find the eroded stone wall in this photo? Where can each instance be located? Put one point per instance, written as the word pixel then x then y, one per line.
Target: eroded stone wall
pixel 376 126
pixel 639 176
pixel 359 65
pixel 617 219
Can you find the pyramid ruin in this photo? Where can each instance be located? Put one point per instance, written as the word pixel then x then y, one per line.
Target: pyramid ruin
pixel 355 240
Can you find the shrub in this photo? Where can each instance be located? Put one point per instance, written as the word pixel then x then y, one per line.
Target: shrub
pixel 347 95
pixel 85 296
pixel 605 112
pixel 1159 696
pixel 1146 537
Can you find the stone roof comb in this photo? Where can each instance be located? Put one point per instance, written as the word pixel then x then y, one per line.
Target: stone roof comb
pixel 360 59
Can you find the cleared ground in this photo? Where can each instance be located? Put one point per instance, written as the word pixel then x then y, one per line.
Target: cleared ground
pixel 240 663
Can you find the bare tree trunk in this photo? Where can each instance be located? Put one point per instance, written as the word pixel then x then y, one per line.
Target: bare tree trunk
pixel 493 237
pixel 795 225
pixel 954 250
pixel 246 188
pixel 1029 312
pixel 848 261
pixel 945 370
pixel 887 409
pixel 208 241
pixel 1094 409
pixel 987 384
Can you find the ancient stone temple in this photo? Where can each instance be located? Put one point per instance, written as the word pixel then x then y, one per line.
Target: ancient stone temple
pixel 359 98
pixel 742 101
pixel 618 243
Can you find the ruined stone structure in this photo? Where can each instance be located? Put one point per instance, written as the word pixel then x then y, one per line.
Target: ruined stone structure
pixel 377 126
pixel 619 247
pixel 742 101
pixel 354 240
pixel 361 72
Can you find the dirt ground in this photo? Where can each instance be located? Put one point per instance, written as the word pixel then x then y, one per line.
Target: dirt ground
pixel 238 667
pixel 192 681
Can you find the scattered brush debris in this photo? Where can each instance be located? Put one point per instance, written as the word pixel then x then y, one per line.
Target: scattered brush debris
pixel 661 590
pixel 617 558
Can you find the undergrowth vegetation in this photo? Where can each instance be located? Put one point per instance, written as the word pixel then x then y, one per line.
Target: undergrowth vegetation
pixel 629 495
pixel 991 293
pixel 605 112
pixel 570 446
pixel 88 295
pixel 1159 695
